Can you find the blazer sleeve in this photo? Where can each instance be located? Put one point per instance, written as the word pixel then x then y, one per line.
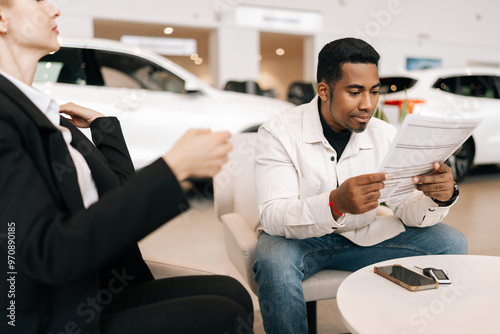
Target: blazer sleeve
pixel 55 247
pixel 108 138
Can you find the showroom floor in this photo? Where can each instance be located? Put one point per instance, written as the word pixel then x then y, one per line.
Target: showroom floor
pixel 195 237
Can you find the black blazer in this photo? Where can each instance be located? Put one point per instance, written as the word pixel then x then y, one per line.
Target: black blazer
pixel 66 262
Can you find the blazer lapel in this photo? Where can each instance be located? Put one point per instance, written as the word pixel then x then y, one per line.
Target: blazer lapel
pixel 63 169
pixel 64 172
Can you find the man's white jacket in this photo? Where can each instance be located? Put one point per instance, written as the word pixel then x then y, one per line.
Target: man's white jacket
pixel 296 169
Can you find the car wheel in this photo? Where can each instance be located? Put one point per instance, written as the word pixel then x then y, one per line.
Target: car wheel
pixel 461 160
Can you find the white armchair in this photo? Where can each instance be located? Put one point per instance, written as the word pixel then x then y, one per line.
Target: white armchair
pixel 163 268
pixel 236 206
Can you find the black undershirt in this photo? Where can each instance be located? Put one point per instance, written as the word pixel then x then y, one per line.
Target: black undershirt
pixel 338 140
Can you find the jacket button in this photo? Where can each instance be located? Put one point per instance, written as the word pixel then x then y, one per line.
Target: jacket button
pixel 332 158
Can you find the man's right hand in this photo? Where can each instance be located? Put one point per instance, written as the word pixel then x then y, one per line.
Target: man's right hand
pixel 358 194
pixel 199 153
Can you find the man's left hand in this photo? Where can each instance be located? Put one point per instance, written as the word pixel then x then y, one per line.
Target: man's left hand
pixel 437 185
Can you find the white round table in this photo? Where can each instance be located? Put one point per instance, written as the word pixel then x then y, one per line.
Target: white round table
pixel 371 304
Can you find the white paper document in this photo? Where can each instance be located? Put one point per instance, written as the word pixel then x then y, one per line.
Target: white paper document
pixel 419 143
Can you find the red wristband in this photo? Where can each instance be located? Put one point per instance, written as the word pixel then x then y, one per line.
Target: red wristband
pixel 337 211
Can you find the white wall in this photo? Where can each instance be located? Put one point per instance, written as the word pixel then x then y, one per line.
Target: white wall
pixel 456 21
pixel 188 12
pixel 395 51
pixel 232 59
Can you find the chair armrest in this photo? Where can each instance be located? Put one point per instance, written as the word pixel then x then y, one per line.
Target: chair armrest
pixel 163 269
pixel 223 184
pixel 240 240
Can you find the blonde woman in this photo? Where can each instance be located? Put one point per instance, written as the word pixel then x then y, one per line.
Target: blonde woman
pixel 72 211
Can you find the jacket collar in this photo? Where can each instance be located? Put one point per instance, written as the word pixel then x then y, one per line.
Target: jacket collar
pixel 312 131
pixel 10 91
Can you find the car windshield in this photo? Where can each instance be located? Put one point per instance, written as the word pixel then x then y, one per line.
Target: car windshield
pixel 390 85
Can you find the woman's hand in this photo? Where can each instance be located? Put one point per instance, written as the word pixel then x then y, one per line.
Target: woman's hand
pixel 80 117
pixel 199 153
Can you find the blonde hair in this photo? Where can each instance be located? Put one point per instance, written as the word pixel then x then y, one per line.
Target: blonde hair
pixel 5 2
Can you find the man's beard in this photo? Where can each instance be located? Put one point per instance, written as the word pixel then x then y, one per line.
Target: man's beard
pixel 362 127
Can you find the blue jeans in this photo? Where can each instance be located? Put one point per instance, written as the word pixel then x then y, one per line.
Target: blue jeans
pixel 282 264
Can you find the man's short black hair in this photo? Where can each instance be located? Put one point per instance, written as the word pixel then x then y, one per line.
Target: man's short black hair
pixel 341 51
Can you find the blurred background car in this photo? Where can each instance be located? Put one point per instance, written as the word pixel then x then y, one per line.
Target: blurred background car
pixel 300 92
pixel 155 100
pixel 248 87
pixel 459 92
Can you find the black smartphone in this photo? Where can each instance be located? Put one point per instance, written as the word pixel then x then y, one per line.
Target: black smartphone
pixel 406 278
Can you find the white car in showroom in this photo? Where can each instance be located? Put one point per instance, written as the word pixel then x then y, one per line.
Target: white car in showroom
pixel 155 100
pixel 460 92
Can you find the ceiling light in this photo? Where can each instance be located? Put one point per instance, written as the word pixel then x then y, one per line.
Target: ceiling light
pixel 194 56
pixel 168 30
pixel 198 61
pixel 280 52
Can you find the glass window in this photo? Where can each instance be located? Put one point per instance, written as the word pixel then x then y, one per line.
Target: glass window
pixel 470 85
pixel 64 66
pixel 446 85
pixel 122 70
pixel 395 84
